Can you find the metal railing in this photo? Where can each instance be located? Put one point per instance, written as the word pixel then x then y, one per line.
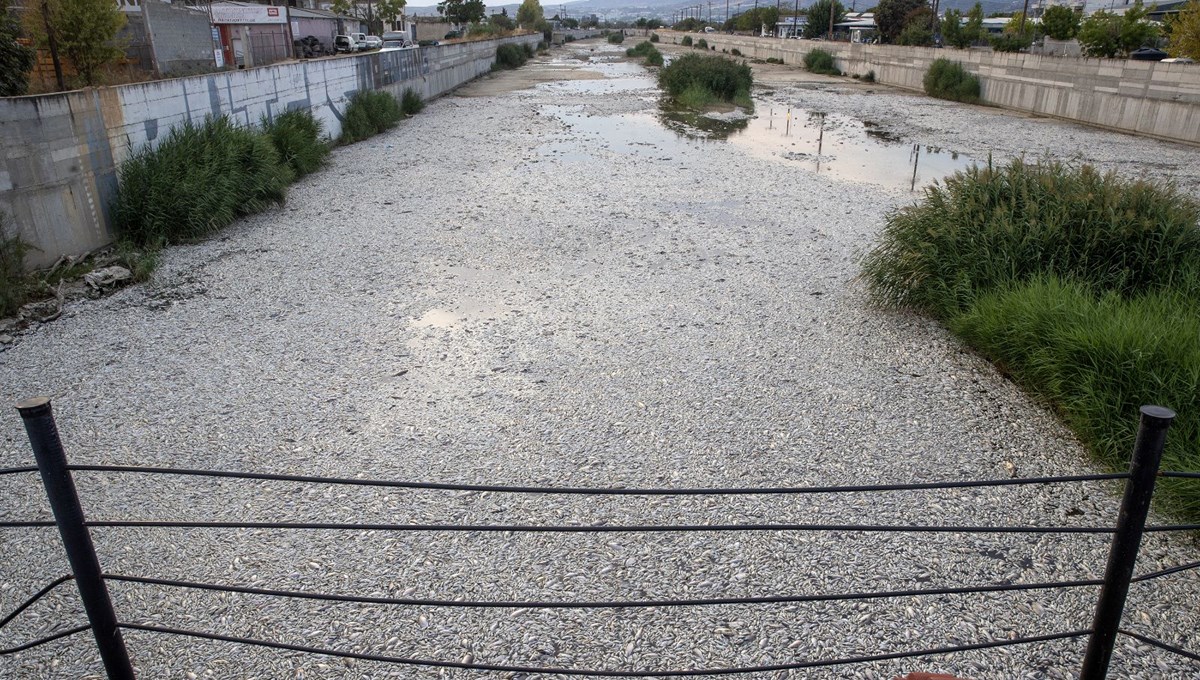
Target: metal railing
pixel 91 580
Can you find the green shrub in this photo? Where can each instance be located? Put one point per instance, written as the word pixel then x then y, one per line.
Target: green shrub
pixel 736 52
pixel 368 114
pixel 947 79
pixel 528 50
pixel 777 60
pixel 870 77
pixel 701 44
pixel 1097 358
pixel 1011 42
pixel 410 103
pixel 297 137
pixel 568 38
pixel 198 180
pixel 1084 286
pixel 686 41
pixel 653 37
pixel 616 38
pixel 641 49
pixel 14 282
pixel 510 55
pixel 989 227
pixel 820 61
pixel 723 79
pixel 647 50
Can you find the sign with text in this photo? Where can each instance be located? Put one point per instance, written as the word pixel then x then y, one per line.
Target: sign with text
pixel 247 14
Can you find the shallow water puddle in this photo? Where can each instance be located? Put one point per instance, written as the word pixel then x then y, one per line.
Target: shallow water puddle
pixel 845 147
pixel 835 144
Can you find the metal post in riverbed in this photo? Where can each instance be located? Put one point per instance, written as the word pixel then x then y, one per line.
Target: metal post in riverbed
pixel 1143 469
pixel 68 514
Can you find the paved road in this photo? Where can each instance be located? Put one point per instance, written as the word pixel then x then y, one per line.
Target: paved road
pixel 538 282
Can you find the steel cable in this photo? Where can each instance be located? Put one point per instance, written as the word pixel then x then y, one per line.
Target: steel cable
pixel 747 491
pixel 1161 645
pixel 500 668
pixel 36 596
pixel 770 599
pixel 572 529
pixel 41 641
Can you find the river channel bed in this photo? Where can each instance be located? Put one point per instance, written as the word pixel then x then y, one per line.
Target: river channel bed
pixel 565 284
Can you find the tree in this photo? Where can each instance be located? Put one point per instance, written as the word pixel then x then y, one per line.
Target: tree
pixel 529 13
pixel 1105 34
pixel 16 60
pixel 890 16
pixel 1060 22
pixel 84 31
pixel 502 22
pixel 462 11
pixel 918 28
pixel 818 17
pixel 1185 32
pixel 390 10
pixel 952 30
pixel 973 31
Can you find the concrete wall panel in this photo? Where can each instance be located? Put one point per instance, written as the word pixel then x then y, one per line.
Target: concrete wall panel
pixel 60 153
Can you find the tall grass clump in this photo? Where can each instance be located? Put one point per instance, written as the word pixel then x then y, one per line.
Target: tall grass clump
pixel 198 180
pixel 410 103
pixel 990 226
pixel 297 137
pixel 14 283
pixel 368 114
pixel 716 78
pixel 653 37
pixel 1084 286
pixel 510 55
pixel 947 79
pixel 701 44
pixel 648 51
pixel 686 41
pixel 821 61
pixel 1096 358
pixel 616 38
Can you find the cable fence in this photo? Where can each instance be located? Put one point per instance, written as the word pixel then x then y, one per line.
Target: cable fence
pixel 57 477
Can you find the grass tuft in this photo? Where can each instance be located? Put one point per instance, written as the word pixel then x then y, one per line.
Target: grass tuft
pixel 297 137
pixel 510 56
pixel 947 79
pixel 720 79
pixel 14 282
pixel 410 103
pixel 820 61
pixel 1083 285
pixel 198 180
pixel 368 114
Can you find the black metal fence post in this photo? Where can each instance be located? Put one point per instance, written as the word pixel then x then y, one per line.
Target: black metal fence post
pixel 1143 469
pixel 64 501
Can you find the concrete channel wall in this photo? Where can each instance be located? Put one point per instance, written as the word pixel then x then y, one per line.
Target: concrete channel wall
pixel 60 153
pixel 1148 98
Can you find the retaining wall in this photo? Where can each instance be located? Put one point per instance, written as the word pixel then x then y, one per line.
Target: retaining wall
pixel 59 153
pixel 1143 97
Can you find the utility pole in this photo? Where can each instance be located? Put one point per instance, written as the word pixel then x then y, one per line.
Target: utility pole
pixel 831 21
pixel 795 20
pixel 52 39
pixel 726 11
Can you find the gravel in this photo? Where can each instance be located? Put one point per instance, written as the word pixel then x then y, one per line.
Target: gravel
pixel 539 284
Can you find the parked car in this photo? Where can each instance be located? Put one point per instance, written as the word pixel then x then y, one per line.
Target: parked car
pixel 397 44
pixel 344 44
pixel 360 39
pixel 452 35
pixel 374 42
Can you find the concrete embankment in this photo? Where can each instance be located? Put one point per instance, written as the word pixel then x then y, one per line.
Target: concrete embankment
pixel 59 153
pixel 1148 98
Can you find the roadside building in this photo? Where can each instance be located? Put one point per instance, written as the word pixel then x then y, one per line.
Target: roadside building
pixel 251 34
